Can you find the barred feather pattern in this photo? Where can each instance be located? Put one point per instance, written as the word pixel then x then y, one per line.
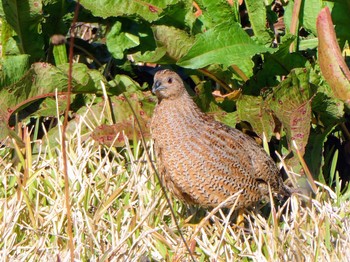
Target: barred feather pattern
pixel 202 161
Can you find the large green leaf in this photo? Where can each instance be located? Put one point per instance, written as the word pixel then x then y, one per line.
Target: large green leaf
pixel 119 41
pixel 128 108
pixel 330 110
pixel 176 41
pixel 25 17
pixel 125 120
pixel 253 110
pixel 214 13
pixel 227 44
pixel 13 68
pixel 307 15
pixel 149 10
pixel 291 103
pixel 314 152
pixel 257 18
pixel 340 16
pixel 172 44
pixel 43 79
pixel 279 63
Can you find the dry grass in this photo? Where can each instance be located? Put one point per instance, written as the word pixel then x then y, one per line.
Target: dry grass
pixel 120 214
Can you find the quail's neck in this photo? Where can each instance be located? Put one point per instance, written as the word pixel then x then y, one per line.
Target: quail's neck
pixel 182 106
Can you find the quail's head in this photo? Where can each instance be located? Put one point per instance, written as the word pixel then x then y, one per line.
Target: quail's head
pixel 167 85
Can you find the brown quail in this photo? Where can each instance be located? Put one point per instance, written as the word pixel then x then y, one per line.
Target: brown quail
pixel 202 161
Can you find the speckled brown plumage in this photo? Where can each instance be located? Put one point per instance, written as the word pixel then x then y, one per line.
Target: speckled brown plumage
pixel 202 161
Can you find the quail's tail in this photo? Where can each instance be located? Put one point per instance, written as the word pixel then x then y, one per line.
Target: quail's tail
pixel 285 192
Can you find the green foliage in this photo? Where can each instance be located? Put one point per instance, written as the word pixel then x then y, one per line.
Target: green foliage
pixel 242 52
pixel 25 18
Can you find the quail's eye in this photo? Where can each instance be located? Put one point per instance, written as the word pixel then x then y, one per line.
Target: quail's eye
pixel 170 80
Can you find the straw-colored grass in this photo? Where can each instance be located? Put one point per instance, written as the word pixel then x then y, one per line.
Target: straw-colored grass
pixel 120 214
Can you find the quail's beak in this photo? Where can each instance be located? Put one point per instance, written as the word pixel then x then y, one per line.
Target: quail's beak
pixel 157 86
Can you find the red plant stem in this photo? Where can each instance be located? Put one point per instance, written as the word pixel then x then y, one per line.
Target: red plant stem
pixel 64 128
pixel 332 64
pixel 294 23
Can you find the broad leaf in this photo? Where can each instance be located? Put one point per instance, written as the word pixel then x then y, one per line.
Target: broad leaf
pixel 279 63
pixel 43 80
pixel 149 10
pixel 13 68
pixel 257 18
pixel 291 103
pixel 214 13
pixel 340 10
pixel 156 56
pixel 176 41
pixel 330 110
pixel 25 17
pixel 227 44
pixel 253 110
pixel 314 152
pixel 118 41
pixel 125 121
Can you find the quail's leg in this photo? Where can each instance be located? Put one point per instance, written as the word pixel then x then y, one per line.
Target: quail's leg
pixel 240 218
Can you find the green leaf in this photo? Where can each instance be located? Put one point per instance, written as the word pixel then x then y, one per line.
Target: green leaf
pixel 155 56
pixel 176 41
pixel 291 103
pixel 329 109
pixel 43 79
pixel 257 18
pixel 227 44
pixel 253 110
pixel 279 63
pixel 308 14
pixel 149 10
pixel 60 54
pixel 341 19
pixel 142 104
pixel 282 61
pixel 214 13
pixel 25 17
pixel 314 152
pixel 172 44
pixel 119 41
pixel 309 11
pixel 50 106
pixel 124 83
pixel 85 80
pixel 13 68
